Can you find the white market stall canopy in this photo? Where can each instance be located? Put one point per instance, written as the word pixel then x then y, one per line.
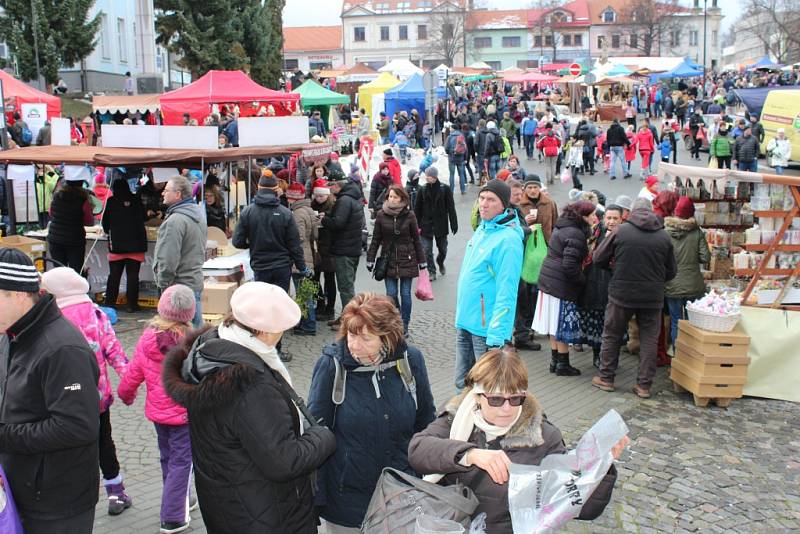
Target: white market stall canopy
pixel 402 68
pixel 635 63
pixel 125 103
pixel 480 65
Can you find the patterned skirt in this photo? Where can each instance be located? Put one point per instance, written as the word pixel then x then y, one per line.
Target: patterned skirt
pixel 569 323
pixel 592 325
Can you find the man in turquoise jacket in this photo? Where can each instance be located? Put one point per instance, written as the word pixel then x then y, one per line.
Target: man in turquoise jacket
pixel 487 283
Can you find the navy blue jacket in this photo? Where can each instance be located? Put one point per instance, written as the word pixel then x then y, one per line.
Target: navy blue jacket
pixel 371 433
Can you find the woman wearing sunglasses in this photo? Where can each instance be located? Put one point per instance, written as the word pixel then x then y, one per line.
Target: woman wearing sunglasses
pixel 492 423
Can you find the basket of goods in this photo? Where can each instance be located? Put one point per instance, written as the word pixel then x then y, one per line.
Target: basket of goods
pixel 715 312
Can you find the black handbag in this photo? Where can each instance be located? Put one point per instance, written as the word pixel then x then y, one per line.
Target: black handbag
pixel 382 263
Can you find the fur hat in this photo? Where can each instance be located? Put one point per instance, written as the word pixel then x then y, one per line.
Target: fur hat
pixel 264 307
pixel 17 272
pixel 321 187
pixel 500 189
pixel 177 304
pixel 67 286
pixel 296 191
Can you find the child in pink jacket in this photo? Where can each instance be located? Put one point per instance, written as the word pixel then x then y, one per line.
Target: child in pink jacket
pixel 70 290
pixel 175 313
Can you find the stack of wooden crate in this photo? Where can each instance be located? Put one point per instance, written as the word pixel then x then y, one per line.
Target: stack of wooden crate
pixel 710 365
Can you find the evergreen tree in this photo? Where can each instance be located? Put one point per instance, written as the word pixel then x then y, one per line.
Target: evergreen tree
pixel 257 34
pixel 274 61
pixel 208 35
pixel 64 32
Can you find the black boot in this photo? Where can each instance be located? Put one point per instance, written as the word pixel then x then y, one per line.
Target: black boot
pixel 553 360
pixel 563 368
pixel 596 357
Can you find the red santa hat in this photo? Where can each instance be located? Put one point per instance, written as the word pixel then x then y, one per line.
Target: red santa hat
pixel 321 187
pixel 296 191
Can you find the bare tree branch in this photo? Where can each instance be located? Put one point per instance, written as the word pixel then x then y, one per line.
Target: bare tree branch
pixel 445 33
pixel 776 23
pixel 653 22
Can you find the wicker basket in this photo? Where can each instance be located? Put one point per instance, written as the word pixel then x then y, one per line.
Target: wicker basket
pixel 712 321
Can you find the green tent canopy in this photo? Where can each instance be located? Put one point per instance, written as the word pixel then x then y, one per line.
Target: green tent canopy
pixel 478 77
pixel 313 94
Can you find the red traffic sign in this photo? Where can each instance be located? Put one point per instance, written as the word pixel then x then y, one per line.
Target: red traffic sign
pixel 575 69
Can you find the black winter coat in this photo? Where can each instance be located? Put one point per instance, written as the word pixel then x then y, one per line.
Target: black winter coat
pixel 377 190
pixel 270 232
pixel 252 466
pixel 595 292
pixel 435 209
pixel 397 237
pixel 324 238
pixel 562 272
pixel 123 221
pixel 346 222
pixel 616 136
pixel 215 216
pixel 67 216
pixel 643 261
pixel 372 432
pixel 50 414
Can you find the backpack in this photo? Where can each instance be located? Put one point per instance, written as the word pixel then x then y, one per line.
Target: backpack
pixel 340 378
pixel 27 135
pixel 730 99
pixel 460 145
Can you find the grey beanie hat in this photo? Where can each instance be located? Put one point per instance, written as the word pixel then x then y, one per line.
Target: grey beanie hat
pixel 624 201
pixel 432 171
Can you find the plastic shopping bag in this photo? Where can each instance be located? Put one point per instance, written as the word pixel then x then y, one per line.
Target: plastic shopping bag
pixel 542 498
pixel 566 175
pixel 534 255
pixel 424 288
pixel 9 518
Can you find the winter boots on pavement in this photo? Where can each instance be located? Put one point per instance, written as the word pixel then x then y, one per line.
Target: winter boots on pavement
pixel 118 500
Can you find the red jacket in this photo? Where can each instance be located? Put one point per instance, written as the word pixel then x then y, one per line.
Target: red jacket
pixel 630 150
pixel 395 171
pixel 645 140
pixel 549 144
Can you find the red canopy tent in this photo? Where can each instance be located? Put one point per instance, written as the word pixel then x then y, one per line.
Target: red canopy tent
pixel 17 93
pixel 224 87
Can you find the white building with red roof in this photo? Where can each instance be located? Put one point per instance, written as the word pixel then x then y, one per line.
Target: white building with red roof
pixel 312 48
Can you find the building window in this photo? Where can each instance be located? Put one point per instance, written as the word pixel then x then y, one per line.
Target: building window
pixel 359 34
pixel 291 64
pixel 675 38
pixel 122 41
pixel 495 65
pixel 527 64
pixel 447 30
pixel 424 3
pixel 537 40
pixel 105 44
pixel 382 7
pixel 511 42
pixel 482 42
pixel 601 41
pixel 3 50
pixel 609 15
pixel 693 37
pixel 422 32
pixel 566 40
pixel 403 33
pixel 403 6
pixel 633 41
pixel 577 40
pixel 548 40
pixel 384 33
pixel 714 38
pixel 615 40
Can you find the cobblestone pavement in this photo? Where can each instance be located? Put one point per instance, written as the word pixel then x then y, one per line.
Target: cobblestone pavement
pixel 688 469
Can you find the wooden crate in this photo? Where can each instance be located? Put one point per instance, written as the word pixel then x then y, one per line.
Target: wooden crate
pixel 730 344
pixel 716 366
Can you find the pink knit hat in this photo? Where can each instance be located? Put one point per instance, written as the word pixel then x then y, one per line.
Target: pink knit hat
pixel 264 308
pixel 67 286
pixel 177 304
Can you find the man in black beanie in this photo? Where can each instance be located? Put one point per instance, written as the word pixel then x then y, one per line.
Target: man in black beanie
pixel 48 406
pixel 488 280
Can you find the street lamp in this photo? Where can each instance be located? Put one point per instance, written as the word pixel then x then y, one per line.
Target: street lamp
pixel 705 23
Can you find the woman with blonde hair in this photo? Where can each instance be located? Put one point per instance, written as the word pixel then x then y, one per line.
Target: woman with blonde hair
pixel 493 422
pixel 372 390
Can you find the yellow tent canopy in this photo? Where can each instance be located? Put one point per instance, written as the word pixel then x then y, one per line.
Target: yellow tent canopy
pixel 379 85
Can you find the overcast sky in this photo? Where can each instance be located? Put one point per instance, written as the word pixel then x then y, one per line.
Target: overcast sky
pixel 326 12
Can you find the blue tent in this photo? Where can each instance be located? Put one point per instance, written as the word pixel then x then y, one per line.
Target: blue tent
pixel 754 98
pixel 683 70
pixel 407 96
pixel 764 63
pixel 692 63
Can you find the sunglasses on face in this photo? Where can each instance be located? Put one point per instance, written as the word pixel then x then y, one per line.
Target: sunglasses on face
pixel 496 401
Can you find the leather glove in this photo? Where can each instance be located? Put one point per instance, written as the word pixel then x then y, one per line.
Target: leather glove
pixel 370 265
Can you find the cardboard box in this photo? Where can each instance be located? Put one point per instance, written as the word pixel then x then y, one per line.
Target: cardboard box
pixel 216 297
pixel 213 319
pixel 768 296
pixel 706 343
pixel 691 383
pixel 31 247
